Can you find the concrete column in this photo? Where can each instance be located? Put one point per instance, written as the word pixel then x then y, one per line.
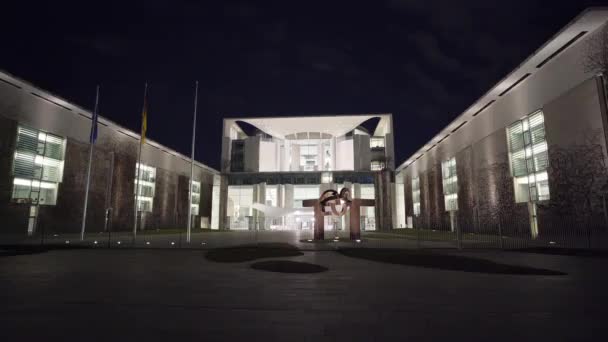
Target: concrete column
pixel 288 202
pixel 346 217
pixel 383 200
pixel 223 203
pixel 259 196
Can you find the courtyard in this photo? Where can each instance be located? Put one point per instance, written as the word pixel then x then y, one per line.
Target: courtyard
pixel 160 294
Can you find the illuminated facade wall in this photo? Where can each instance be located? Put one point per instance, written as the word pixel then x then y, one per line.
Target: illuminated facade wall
pixel 283 161
pixel 43 162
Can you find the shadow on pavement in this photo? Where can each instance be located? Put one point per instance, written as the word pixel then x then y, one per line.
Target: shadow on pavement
pixel 434 260
pixel 15 250
pixel 286 266
pixel 579 252
pixel 252 252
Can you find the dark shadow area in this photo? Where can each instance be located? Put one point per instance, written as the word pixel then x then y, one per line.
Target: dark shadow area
pixel 252 252
pixel 286 266
pixel 429 259
pixel 14 250
pixel 579 252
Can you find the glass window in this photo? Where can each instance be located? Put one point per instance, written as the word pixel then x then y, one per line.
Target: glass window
pixel 145 187
pixel 450 184
pixel 528 154
pixel 376 142
pixel 37 167
pixel 326 177
pixel 304 192
pixel 416 195
pixel 34 192
pixel 196 197
pixel 272 196
pixel 377 165
pixel 239 209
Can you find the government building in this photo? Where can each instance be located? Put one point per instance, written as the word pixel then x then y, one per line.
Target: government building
pixel 528 158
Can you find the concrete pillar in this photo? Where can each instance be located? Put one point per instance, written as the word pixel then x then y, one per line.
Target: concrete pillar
pixel 383 186
pixel 346 217
pixel 288 202
pixel 223 224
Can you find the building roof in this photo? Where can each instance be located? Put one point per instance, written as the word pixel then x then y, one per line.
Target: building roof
pixel 335 125
pixel 16 82
pixel 588 21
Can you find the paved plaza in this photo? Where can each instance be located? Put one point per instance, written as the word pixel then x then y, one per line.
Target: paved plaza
pixel 162 294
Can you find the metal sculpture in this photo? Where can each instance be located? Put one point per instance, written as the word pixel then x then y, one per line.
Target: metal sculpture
pixel 332 199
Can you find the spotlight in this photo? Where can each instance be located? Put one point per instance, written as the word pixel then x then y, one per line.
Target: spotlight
pixel 67 242
pixel 172 243
pixel 95 242
pixel 357 240
pixel 118 242
pixel 147 242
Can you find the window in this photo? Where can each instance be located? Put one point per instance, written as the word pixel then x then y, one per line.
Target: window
pixel 38 166
pixel 304 192
pixel 450 184
pixel 239 208
pixel 377 165
pixel 368 214
pixel 416 195
pixel 529 158
pixel 237 156
pixel 376 143
pixel 309 151
pixel 145 187
pixel 196 197
pixel 326 177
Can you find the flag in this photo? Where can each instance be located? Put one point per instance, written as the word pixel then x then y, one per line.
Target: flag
pixel 144 120
pixel 93 135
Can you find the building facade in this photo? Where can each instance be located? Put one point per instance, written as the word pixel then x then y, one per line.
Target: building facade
pixel 529 157
pixel 44 146
pixel 270 165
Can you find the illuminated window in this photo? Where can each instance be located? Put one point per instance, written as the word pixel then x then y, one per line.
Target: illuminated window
pixel 196 197
pixel 145 187
pixel 377 165
pixel 416 195
pixel 37 167
pixel 376 142
pixel 239 206
pixel 529 158
pixel 326 177
pixel 450 184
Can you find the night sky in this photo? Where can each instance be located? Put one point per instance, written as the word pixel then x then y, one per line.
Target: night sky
pixel 423 61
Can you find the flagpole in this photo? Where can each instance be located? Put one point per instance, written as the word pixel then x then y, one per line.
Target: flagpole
pixel 137 185
pixel 192 165
pixel 91 144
